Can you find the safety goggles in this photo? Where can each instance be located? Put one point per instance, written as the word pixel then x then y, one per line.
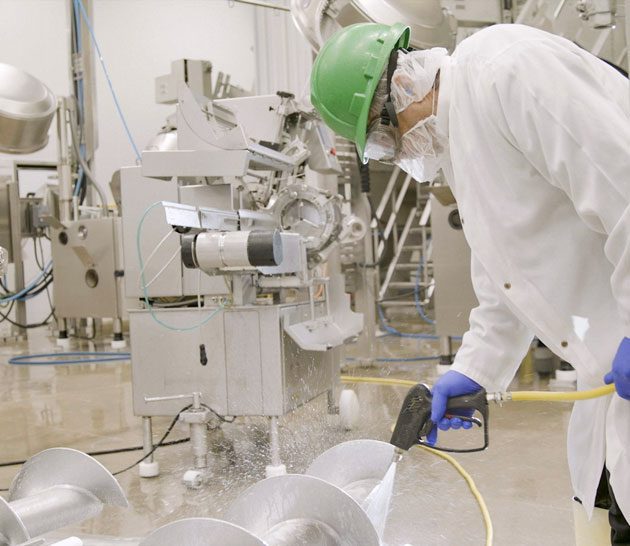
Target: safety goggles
pixel 383 140
pixel 382 143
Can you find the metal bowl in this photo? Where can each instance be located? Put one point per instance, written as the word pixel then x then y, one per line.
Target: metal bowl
pixel 27 108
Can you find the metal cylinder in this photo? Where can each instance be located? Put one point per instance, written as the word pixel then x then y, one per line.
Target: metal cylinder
pixel 27 108
pixel 199 444
pixel 147 438
pixel 232 249
pixel 55 508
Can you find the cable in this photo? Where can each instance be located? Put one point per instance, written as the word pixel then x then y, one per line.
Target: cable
pixel 105 452
pixel 27 360
pixel 157 247
pixel 169 262
pixel 144 287
pixel 86 20
pixel 34 282
pixel 485 514
pixel 156 446
pixel 515 396
pixel 6 317
pixel 545 396
pixel 391 330
pixel 84 166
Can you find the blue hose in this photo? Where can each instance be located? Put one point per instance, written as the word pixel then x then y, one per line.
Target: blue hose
pixel 32 360
pixel 391 330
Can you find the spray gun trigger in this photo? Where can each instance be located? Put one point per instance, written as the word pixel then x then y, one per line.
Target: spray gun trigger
pixel 472 420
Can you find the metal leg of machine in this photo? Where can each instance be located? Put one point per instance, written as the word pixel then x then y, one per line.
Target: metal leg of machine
pixel 149 468
pixel 62 337
pixel 118 342
pixel 197 416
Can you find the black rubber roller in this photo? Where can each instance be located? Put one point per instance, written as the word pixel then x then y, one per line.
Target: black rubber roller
pixel 264 248
pixel 188 251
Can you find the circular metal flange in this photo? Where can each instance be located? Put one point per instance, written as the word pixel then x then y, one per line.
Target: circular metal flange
pixel 306 211
pixel 297 509
pixel 201 532
pixel 62 466
pixel 356 466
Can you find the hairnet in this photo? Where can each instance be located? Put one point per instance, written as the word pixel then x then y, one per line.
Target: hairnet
pixel 415 75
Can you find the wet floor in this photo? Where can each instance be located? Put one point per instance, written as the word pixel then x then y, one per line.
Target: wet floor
pixel 523 476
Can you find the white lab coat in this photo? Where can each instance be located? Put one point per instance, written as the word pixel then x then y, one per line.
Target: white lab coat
pixel 539 161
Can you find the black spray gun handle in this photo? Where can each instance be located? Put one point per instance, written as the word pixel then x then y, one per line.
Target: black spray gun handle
pixel 414 421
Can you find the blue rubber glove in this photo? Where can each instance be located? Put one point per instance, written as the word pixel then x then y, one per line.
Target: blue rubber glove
pixel 620 374
pixel 451 384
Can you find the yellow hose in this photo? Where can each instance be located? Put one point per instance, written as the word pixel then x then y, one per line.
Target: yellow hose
pixel 544 396
pixel 518 396
pixel 378 381
pixel 485 514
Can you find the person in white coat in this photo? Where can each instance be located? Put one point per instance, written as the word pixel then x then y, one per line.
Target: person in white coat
pixel 532 134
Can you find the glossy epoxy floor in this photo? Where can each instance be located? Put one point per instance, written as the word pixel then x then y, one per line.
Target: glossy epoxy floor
pixel 523 475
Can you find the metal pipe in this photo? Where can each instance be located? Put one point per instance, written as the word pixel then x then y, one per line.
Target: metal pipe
pixel 64 163
pixel 147 438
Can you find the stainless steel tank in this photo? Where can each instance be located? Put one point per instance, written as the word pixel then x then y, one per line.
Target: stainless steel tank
pixel 27 108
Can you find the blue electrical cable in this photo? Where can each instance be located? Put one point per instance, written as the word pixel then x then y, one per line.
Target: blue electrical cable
pixel 23 294
pixel 86 20
pixel 35 359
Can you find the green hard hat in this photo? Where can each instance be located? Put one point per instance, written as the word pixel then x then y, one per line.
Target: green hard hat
pixel 346 73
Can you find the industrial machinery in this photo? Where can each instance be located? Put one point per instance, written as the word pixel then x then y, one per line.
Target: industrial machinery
pixel 84 240
pixel 231 245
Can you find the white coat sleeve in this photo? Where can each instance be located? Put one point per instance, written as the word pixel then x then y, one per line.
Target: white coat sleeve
pixel 568 114
pixel 496 341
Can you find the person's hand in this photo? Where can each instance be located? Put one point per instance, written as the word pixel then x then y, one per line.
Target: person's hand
pixel 451 384
pixel 620 374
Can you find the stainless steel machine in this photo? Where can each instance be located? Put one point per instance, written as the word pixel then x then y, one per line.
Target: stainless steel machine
pixel 231 247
